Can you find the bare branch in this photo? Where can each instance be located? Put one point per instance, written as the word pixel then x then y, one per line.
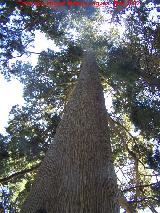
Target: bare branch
pixel 125 205
pixel 138 186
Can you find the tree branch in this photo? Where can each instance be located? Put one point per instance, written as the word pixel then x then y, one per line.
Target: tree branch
pixel 125 205
pixel 20 173
pixel 133 154
pixel 119 124
pixel 139 186
pixel 141 200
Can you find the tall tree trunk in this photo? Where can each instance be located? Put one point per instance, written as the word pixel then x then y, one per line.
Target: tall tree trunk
pixel 77 174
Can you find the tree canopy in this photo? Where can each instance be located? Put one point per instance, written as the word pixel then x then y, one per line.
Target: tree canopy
pixel 129 69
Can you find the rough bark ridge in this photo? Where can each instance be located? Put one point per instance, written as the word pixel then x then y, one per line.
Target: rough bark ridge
pixel 77 174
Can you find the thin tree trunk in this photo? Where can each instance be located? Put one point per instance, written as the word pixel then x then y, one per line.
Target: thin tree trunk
pixel 77 174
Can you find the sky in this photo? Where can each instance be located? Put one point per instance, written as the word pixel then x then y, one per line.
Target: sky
pixel 11 93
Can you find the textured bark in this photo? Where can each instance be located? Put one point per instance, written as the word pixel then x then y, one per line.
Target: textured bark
pixel 77 174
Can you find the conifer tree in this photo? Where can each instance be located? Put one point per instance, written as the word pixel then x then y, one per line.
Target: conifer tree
pixel 77 173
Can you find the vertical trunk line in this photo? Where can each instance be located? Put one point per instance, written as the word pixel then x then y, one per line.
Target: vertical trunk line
pixel 80 156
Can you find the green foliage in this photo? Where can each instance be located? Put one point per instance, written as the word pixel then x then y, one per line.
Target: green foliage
pixel 123 65
pixel 129 69
pixel 133 72
pixel 154 163
pixel 18 25
pixel 32 128
pixel 150 123
pixel 154 159
pixel 28 136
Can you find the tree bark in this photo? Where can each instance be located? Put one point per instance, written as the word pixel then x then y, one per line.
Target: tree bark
pixel 77 173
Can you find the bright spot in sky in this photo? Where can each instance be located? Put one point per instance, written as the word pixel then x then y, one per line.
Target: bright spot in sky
pixel 40 43
pixel 108 102
pixel 10 94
